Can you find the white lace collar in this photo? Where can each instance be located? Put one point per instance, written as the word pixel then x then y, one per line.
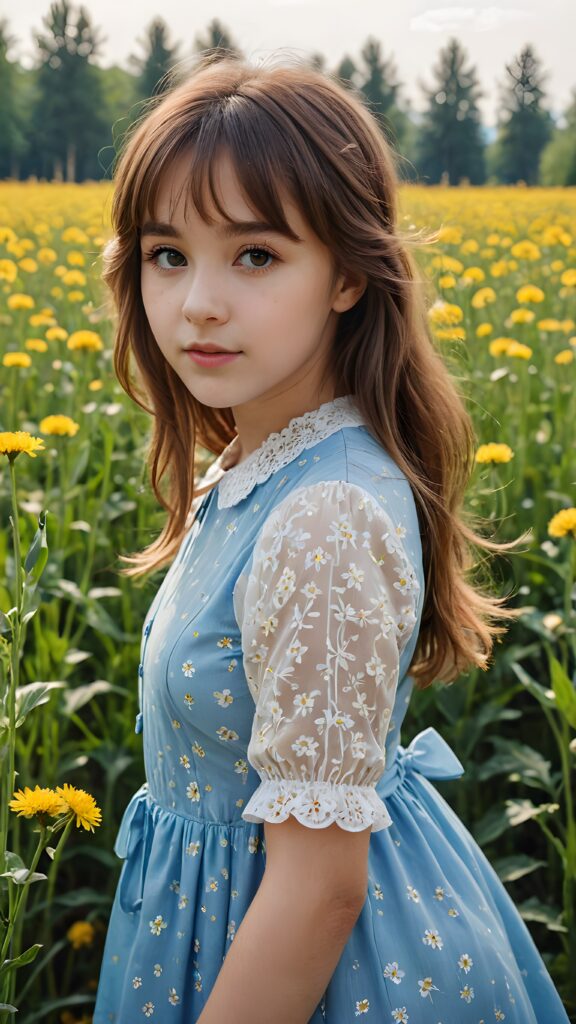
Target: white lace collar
pixel 279 449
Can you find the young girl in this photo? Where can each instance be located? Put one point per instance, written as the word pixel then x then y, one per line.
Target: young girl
pixel 288 860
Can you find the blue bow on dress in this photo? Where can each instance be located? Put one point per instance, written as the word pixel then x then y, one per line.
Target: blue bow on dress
pixel 429 754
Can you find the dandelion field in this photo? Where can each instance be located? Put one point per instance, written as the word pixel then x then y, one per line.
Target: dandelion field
pixel 502 282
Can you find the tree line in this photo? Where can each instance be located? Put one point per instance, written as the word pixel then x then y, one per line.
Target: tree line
pixel 65 118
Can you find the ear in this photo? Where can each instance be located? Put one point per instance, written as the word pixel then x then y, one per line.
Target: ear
pixel 349 287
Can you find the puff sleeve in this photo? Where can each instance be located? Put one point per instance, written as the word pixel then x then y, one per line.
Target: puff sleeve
pixel 329 605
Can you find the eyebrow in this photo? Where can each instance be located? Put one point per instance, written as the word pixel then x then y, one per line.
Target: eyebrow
pixel 227 230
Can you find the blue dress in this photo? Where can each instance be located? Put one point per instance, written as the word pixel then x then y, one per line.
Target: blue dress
pixel 273 681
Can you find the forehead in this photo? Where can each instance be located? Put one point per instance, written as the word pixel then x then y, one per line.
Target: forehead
pixel 215 192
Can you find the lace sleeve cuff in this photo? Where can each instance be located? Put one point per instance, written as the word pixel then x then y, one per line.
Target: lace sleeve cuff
pixel 318 804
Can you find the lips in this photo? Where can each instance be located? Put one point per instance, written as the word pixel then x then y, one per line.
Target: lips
pixel 212 351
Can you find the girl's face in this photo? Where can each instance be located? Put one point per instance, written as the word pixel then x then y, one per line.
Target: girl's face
pixel 249 291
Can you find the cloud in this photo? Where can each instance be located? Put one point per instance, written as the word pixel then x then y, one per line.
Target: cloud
pixel 475 19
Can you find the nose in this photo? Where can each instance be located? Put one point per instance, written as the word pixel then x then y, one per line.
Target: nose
pixel 204 299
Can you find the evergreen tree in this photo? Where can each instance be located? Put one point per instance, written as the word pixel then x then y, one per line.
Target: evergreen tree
pixel 12 110
pixel 217 42
pixel 524 126
pixel 68 120
pixel 558 159
pixel 450 146
pixel 347 72
pixel 159 57
pixel 378 83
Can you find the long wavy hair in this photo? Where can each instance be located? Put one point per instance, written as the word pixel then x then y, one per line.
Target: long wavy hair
pixel 289 127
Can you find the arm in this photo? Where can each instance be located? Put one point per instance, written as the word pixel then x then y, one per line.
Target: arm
pixel 292 936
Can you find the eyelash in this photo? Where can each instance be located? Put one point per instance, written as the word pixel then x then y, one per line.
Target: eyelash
pixel 151 257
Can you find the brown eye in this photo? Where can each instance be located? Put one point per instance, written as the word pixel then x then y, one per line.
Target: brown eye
pixel 258 257
pixel 168 259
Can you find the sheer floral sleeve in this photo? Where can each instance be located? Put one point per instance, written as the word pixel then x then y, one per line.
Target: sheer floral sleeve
pixel 328 608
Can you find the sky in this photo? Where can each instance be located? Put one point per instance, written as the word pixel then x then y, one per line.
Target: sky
pixel 411 32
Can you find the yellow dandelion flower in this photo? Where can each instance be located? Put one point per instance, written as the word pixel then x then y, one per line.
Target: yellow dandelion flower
pixel 569 278
pixel 564 357
pixel 563 523
pixel 81 933
pixel 20 301
pixel 59 424
pixel 473 274
pixel 41 320
pixel 500 345
pixel 82 804
pixel 75 235
pixel 36 345
pixel 522 316
pixel 482 297
pixel 518 350
pixel 447 281
pixel 16 359
pixel 6 234
pixel 483 330
pixel 572 341
pixel 16 249
pixel 567 325
pixel 39 802
pixel 499 269
pixel 450 235
pixel 56 292
pixel 47 255
pixel 72 277
pixel 56 334
pixel 494 453
pixel 470 245
pixel 13 442
pixel 85 339
pixel 60 270
pixel 450 334
pixel 28 265
pixel 75 258
pixel 8 271
pixel 95 385
pixel 493 239
pixel 529 293
pixel 449 264
pixel 549 324
pixel 557 266
pixel 75 296
pixel 526 250
pixel 445 314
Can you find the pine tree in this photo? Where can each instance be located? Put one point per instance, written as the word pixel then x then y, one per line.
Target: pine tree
pixel 217 42
pixel 378 82
pixel 12 113
pixel 159 57
pixel 450 146
pixel 68 120
pixel 524 125
pixel 347 72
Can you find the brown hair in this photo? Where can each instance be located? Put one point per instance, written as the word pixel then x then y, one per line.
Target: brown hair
pixel 296 129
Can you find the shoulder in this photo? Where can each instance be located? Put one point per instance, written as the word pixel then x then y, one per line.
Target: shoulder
pixel 349 475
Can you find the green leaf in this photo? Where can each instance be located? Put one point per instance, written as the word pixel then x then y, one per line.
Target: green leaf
pixel 564 690
pixel 536 689
pixel 8 1007
pixel 37 555
pixel 20 961
pixel 534 910
pixel 47 1007
pixel 32 696
pixel 79 696
pixel 509 869
pixel 512 756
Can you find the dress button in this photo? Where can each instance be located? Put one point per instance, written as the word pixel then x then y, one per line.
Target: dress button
pixel 138 726
pixel 140 670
